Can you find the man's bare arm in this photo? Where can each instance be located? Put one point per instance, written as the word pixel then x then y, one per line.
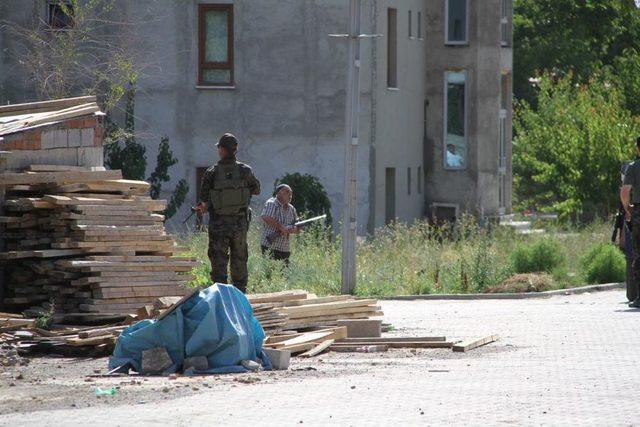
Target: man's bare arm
pixel 625 198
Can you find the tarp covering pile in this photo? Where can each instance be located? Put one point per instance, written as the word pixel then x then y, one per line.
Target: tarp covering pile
pixel 217 323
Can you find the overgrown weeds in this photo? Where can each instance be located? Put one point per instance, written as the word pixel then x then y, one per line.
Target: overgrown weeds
pixel 410 259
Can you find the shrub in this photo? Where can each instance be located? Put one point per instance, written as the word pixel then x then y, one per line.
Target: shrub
pixel 309 196
pixel 542 256
pixel 604 263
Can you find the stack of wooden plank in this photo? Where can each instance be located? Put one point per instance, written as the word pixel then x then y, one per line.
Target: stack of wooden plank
pixel 299 310
pixel 87 241
pixel 14 118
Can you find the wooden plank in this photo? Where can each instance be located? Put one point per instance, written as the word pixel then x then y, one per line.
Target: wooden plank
pixel 380 348
pixel 318 349
pixel 475 343
pixel 334 312
pixel 55 168
pixel 171 309
pixel 392 339
pixel 100 331
pixel 297 348
pixel 295 294
pixel 10 178
pixel 400 344
pixel 312 308
pixel 321 300
pixel 304 338
pixel 43 106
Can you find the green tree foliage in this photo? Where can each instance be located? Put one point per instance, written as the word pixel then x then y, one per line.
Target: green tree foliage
pixel 568 152
pixel 577 36
pixel 91 56
pixel 124 152
pixel 309 196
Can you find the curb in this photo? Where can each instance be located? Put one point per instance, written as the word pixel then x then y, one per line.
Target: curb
pixel 531 295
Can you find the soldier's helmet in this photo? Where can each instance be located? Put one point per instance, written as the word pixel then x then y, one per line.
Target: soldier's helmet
pixel 228 141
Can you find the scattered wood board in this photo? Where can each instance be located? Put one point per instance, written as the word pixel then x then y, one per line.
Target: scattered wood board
pixel 475 343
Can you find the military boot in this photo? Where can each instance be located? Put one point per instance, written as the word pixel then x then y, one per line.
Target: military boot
pixel 635 303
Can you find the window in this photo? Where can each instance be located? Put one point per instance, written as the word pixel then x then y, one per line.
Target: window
pixel 455 118
pixel 215 45
pixel 505 36
pixel 409 181
pixel 419 178
pixel 456 22
pixel 410 26
pixel 420 25
pixel 390 195
pixel 392 48
pixel 60 15
pixel 505 91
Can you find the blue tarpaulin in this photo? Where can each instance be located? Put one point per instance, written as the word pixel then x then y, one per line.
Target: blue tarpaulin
pixel 217 323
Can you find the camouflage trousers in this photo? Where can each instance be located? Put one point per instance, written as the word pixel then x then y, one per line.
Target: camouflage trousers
pixel 228 245
pixel 635 233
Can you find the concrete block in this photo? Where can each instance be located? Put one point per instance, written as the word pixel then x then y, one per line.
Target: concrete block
pixel 279 358
pixel 86 137
pixel 90 156
pixel 54 156
pixel 47 140
pixel 74 138
pixel 362 328
pixel 198 363
pixel 155 361
pixel 54 139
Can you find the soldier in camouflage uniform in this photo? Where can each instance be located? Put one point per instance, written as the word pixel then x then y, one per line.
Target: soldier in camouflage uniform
pixel 225 193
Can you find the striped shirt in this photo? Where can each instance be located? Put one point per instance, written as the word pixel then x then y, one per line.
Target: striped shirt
pixel 283 214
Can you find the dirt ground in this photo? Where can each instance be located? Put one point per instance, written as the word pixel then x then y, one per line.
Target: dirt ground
pixel 50 383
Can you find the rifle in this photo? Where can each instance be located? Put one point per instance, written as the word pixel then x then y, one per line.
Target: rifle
pixel 193 211
pixel 300 224
pixel 618 223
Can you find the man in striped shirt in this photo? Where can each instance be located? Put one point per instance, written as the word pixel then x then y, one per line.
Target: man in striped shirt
pixel 279 218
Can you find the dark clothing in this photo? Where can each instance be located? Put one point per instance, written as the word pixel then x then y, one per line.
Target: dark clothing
pixel 277 255
pixel 632 178
pixel 228 233
pixel 635 233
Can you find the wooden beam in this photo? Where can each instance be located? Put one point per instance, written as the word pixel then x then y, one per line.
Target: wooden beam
pixel 10 178
pixel 471 344
pixel 318 349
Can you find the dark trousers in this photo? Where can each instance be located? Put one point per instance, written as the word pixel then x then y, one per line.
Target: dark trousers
pixel 635 234
pixel 277 255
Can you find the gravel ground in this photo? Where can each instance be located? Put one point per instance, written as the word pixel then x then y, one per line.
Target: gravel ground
pixel 560 361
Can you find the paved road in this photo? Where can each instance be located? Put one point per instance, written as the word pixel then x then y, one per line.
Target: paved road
pixel 570 360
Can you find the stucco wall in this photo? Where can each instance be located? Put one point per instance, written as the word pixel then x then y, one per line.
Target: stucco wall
pixel 288 105
pixel 475 188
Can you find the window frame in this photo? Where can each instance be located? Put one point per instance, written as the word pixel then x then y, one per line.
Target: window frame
pixel 203 8
pixel 446 26
pixel 445 120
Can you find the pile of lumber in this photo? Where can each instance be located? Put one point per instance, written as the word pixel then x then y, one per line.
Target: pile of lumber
pixel 84 241
pixel 300 310
pixel 66 340
pixel 14 118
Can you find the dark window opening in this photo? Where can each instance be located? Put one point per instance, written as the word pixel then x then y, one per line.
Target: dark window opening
pixel 60 15
pixel 392 48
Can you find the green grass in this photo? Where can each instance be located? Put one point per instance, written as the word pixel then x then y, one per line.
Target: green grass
pixel 411 259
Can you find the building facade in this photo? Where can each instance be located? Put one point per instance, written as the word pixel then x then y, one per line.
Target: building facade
pixel 435 120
